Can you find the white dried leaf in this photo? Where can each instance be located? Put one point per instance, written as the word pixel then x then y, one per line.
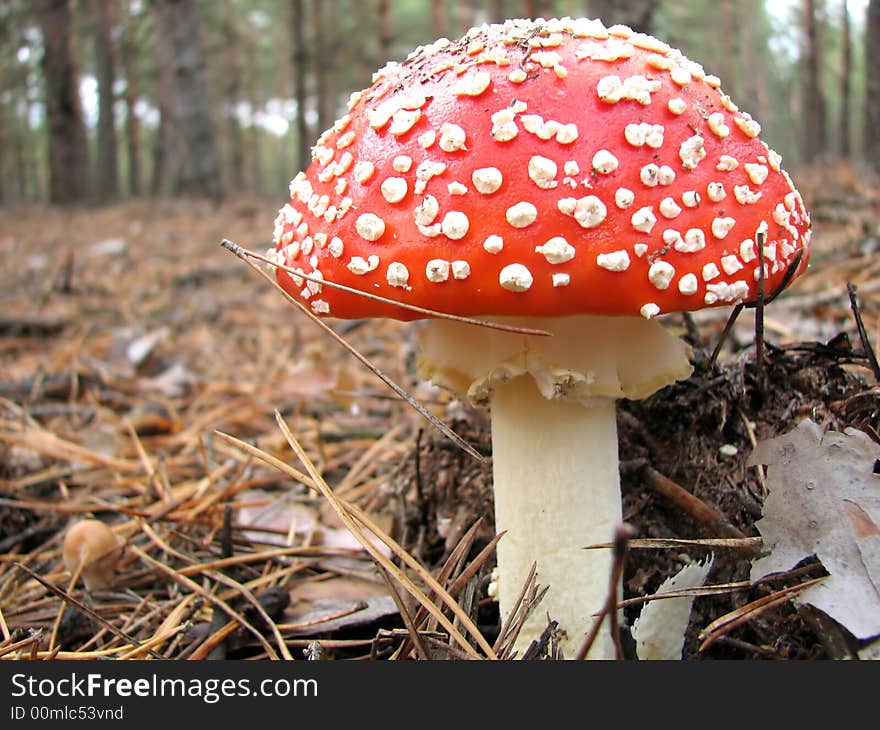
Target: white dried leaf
pixel 659 631
pixel 824 500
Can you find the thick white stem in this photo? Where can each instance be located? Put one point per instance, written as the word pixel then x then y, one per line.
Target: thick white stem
pixel 557 489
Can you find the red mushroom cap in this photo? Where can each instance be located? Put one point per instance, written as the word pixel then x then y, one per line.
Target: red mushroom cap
pixel 542 168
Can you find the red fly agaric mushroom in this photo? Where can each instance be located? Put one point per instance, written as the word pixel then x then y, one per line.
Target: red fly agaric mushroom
pixel 92 549
pixel 561 175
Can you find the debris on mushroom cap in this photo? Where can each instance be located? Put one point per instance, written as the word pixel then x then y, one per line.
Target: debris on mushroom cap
pixel 619 177
pixel 91 547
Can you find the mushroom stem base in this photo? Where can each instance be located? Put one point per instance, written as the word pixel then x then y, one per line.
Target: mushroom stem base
pixel 557 461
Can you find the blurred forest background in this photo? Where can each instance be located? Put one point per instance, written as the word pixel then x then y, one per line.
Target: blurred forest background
pixel 108 100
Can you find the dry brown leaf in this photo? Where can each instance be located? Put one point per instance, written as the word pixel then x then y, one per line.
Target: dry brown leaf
pixel 825 501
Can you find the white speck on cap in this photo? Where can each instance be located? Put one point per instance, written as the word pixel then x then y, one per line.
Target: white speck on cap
pixel 623 197
pixel 726 163
pixel 460 269
pixel 691 152
pixel 669 208
pixel 730 264
pixel 688 284
pixel 369 226
pixel 487 180
pixel 589 211
pixel 676 106
pixel 493 244
pixel 722 226
pixel 660 274
pixel 542 171
pixel 690 198
pixel 649 310
pixel 516 278
pixel 402 163
pixel 604 162
pixel 394 189
pixel 473 84
pixel 560 279
pixel 397 274
pixel 521 214
pixel 643 219
pixel 452 137
pixel 757 173
pixel 613 261
pixel 557 250
pixel 437 270
pixel 455 225
pixel 426 211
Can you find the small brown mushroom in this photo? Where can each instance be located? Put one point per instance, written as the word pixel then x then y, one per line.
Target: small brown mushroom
pixel 92 550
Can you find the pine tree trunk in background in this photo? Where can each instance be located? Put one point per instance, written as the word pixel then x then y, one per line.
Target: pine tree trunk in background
pixel 191 164
pixel 495 10
pixel 106 167
pixel 438 19
pixel 872 95
pixel 753 91
pixel 467 15
pixel 538 9
pixel 300 69
pixel 814 102
pixel 844 147
pixel 231 60
pixel 637 14
pixel 725 66
pixel 254 137
pixel 128 56
pixel 331 59
pixel 321 56
pixel 68 145
pixel 385 30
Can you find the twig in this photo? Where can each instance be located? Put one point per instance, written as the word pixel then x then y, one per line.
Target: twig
pixel 729 621
pixel 621 540
pixel 654 543
pixel 863 334
pixel 195 587
pixel 78 605
pixel 436 422
pixel 242 252
pixel 759 309
pixel 708 515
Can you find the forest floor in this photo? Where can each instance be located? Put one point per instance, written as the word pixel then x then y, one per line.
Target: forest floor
pixel 147 378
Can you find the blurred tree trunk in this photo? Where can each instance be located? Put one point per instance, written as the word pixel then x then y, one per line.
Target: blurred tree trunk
pixel 637 14
pixel 814 101
pixel 753 87
pixel 300 69
pixel 189 157
pixel 128 56
pixel 68 144
pixel 255 159
pixel 466 11
pixel 495 11
pixel 844 148
pixel 538 9
pixel 322 55
pixel 385 30
pixel 727 36
pixel 438 19
pixel 872 95
pixel 232 72
pixel 107 166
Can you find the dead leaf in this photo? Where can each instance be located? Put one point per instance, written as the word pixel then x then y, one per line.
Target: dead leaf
pixel 824 500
